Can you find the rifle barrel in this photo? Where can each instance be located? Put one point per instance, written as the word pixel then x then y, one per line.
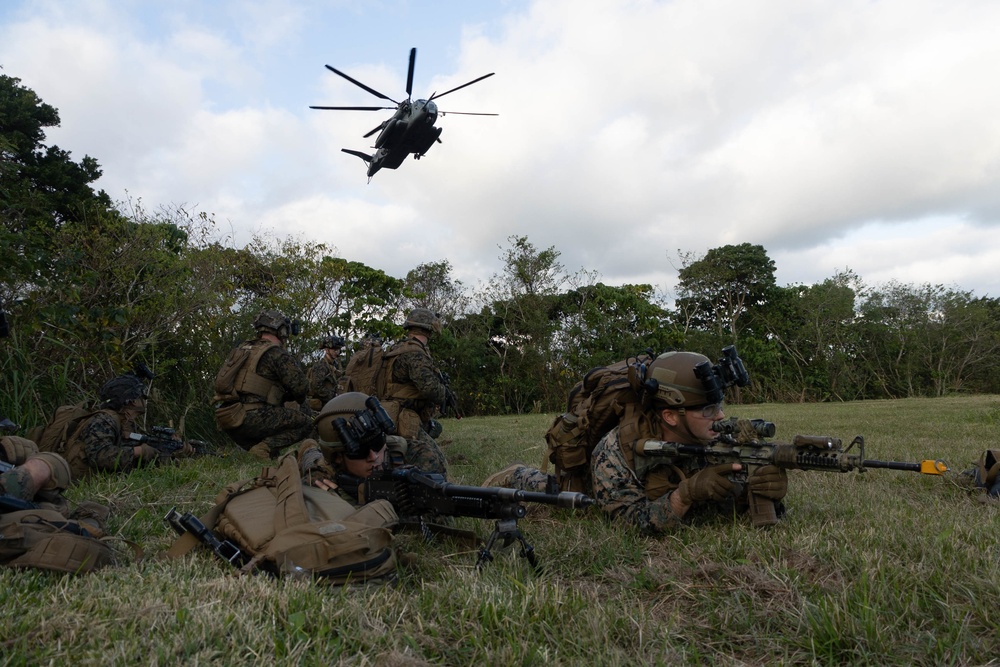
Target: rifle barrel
pixel 927 467
pixel 562 499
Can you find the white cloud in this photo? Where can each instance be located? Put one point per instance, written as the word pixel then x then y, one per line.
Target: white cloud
pixel 835 134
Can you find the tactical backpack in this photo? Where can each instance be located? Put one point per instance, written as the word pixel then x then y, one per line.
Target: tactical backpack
pixel 364 369
pixel 46 540
pixel 274 524
pixel 595 406
pixel 53 436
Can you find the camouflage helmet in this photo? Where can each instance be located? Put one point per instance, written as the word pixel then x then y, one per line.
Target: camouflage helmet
pixel 676 384
pixel 423 318
pixel 122 389
pixel 332 343
pixel 273 322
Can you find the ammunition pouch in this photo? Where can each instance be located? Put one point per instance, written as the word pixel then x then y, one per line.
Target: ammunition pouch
pixel 230 416
pixel 408 424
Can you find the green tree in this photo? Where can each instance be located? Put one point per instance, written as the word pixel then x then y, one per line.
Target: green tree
pixel 519 316
pixel 724 291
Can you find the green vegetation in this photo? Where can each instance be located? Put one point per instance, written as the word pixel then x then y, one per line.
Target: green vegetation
pixel 94 286
pixel 879 568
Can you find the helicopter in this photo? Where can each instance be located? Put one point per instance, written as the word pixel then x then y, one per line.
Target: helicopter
pixel 411 128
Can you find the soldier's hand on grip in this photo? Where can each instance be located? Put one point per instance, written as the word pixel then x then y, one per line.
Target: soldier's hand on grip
pixel 712 483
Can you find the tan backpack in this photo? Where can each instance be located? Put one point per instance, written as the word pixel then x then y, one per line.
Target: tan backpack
pixel 596 404
pixel 53 436
pixel 363 369
pixel 275 524
pixel 46 540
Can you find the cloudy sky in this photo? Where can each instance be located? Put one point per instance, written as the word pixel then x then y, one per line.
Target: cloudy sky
pixel 838 134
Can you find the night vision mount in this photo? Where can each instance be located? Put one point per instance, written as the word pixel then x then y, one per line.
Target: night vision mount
pixel 729 372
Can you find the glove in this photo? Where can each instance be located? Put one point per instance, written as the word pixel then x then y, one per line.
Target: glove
pixel 16 450
pixel 769 482
pixel 709 484
pixel 147 454
pixel 185 452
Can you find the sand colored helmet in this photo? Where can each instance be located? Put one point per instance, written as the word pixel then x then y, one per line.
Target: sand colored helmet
pixel 345 405
pixel 675 379
pixel 273 322
pixel 423 318
pixel 354 423
pixel 122 389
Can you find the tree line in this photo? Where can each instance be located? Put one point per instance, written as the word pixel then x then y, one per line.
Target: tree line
pixel 92 287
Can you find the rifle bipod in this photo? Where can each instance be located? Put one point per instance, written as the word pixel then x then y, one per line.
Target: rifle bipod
pixel 509 531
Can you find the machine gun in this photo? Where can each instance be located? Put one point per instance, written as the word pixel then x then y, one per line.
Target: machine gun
pixel 164 440
pixel 742 441
pixel 415 494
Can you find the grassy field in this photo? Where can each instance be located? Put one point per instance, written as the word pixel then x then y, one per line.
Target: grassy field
pixel 880 568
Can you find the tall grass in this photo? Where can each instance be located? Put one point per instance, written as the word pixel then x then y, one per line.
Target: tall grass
pixel 885 568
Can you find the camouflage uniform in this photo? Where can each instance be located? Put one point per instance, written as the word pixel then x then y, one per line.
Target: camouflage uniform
pixel 640 492
pixel 275 425
pixel 526 478
pixel 17 482
pixel 323 377
pixel 100 445
pixel 415 386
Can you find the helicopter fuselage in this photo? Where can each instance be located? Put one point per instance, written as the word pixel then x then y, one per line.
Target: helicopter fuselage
pixel 410 130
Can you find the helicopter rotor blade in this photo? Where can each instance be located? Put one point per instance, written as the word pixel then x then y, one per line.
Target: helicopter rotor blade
pixel 409 75
pixel 466 113
pixel 361 85
pixel 435 95
pixel 352 108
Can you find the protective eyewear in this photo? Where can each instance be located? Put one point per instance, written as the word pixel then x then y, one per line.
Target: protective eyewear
pixel 710 411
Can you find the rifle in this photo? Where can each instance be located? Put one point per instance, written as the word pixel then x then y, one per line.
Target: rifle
pixel 742 441
pixel 15 504
pixel 163 440
pixel 450 399
pixel 414 493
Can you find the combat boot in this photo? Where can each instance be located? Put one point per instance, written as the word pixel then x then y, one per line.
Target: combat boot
pixel 503 478
pixel 261 451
